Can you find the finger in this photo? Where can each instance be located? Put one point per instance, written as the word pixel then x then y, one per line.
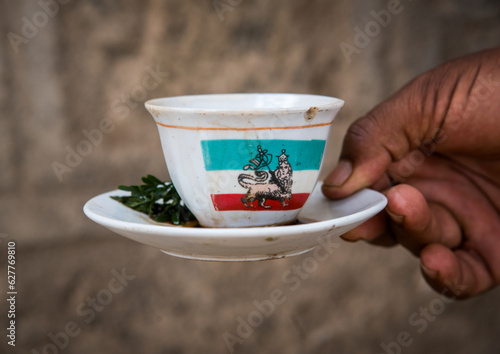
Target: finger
pixel 461 273
pixel 417 223
pixel 384 183
pixel 373 230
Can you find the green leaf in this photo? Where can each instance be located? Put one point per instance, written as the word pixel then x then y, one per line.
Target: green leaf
pixel 175 218
pixel 157 199
pixel 154 180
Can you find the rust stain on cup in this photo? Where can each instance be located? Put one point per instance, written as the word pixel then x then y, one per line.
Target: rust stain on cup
pixel 311 113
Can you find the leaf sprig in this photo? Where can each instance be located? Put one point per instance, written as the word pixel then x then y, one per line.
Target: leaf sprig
pixel 157 199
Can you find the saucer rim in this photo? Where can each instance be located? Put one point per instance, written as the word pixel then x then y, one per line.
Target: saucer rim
pixel 150 226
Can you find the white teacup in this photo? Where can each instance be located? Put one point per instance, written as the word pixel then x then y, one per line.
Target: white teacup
pixel 241 160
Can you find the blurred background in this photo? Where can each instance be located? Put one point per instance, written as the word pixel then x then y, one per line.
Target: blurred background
pixel 73 79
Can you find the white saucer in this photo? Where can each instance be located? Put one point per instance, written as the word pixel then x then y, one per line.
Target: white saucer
pixel 319 218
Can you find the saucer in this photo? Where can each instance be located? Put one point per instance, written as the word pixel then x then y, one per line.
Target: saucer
pixel 319 218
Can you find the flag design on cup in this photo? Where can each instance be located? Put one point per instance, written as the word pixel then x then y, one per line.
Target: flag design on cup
pixel 261 175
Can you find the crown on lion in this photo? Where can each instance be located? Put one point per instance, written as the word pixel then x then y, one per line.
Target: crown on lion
pixel 283 157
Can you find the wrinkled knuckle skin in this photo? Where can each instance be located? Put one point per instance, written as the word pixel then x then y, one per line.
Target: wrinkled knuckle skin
pixel 361 130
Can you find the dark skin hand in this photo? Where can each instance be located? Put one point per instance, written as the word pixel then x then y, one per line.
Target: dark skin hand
pixel 433 148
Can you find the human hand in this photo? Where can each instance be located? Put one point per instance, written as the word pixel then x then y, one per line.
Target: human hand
pixel 434 149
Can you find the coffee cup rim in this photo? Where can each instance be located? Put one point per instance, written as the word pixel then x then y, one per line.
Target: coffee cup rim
pixel 181 104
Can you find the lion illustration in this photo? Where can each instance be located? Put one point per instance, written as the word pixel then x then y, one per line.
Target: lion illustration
pixel 264 185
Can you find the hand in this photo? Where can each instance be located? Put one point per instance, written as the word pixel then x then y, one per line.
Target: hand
pixel 434 149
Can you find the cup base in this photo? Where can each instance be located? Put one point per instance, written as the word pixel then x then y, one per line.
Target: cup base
pixel 284 223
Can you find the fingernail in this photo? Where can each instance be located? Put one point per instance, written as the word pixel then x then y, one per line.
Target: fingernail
pixel 429 272
pixel 340 174
pixel 398 219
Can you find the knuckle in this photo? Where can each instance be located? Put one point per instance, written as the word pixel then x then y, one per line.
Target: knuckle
pixel 363 129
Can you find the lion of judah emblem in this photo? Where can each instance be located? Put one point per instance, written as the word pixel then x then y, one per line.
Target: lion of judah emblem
pixel 265 185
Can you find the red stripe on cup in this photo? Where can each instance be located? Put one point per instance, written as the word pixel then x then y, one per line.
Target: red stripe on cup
pixel 226 202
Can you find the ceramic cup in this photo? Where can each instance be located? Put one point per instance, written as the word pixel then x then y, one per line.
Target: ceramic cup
pixel 242 160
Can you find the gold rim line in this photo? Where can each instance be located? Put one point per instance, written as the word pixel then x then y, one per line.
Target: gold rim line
pixel 241 129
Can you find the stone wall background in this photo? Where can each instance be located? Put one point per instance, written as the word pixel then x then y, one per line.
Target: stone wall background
pixel 85 62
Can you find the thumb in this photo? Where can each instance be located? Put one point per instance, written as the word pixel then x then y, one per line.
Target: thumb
pixel 415 115
pixel 385 135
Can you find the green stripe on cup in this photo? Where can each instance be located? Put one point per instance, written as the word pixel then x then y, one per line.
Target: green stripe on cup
pixel 235 154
